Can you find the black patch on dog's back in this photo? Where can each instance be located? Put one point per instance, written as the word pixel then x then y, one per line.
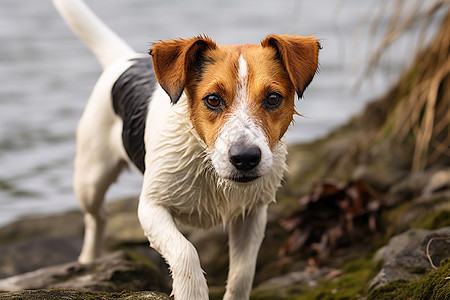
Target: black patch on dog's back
pixel 131 95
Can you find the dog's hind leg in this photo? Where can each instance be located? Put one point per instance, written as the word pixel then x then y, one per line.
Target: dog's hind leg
pixel 92 178
pixel 93 175
pixel 99 158
pixel 98 162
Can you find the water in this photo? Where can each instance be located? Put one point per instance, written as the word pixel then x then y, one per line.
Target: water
pixel 46 75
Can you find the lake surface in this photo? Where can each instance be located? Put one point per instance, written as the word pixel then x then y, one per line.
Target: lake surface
pixel 46 75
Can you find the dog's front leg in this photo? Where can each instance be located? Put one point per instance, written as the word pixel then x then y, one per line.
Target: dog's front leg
pixel 188 280
pixel 245 237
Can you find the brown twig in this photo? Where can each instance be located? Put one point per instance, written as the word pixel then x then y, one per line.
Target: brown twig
pixel 428 248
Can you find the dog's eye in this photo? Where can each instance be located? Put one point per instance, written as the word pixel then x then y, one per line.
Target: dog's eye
pixel 273 100
pixel 213 102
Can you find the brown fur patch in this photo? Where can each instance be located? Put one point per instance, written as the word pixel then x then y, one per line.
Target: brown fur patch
pixel 173 59
pixel 299 54
pixel 219 78
pixel 266 75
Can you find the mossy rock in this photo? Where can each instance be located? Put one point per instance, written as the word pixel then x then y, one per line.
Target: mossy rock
pixel 434 285
pixel 58 294
pixel 119 271
pixel 411 214
pixel 434 220
pixel 404 258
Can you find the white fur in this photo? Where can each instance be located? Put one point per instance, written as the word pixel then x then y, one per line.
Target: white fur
pixel 242 73
pixel 181 182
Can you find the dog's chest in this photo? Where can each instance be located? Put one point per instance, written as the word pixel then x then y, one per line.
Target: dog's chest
pixel 195 197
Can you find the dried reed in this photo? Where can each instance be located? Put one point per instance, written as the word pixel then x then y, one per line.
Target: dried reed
pixel 422 107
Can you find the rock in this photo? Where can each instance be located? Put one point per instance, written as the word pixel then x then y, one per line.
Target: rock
pixel 34 253
pixel 405 256
pixel 439 181
pixel 69 224
pixel 425 184
pixel 122 226
pixel 36 242
pixel 75 294
pixel 410 187
pixel 212 248
pixel 41 252
pixel 283 285
pixel 412 214
pixel 112 273
pixel 379 166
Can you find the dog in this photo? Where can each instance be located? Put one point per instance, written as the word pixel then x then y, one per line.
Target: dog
pixel 204 124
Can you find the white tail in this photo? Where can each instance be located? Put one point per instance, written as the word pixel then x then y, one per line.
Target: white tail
pixel 103 42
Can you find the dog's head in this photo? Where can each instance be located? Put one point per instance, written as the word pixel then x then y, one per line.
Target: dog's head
pixel 240 97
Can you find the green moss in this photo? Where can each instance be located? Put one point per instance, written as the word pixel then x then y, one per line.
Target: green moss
pixel 433 285
pixel 278 293
pixel 357 265
pixel 120 295
pixel 348 286
pixel 417 270
pixel 435 220
pixel 57 294
pixel 389 219
pixel 141 258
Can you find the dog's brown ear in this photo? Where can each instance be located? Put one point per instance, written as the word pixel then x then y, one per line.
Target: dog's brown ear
pixel 173 60
pixel 299 55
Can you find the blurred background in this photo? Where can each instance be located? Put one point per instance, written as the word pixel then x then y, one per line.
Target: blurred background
pixel 46 75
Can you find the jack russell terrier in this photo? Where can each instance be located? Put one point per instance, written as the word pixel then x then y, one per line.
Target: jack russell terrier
pixel 204 123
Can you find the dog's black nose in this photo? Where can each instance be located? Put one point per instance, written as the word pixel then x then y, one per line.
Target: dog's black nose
pixel 244 158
